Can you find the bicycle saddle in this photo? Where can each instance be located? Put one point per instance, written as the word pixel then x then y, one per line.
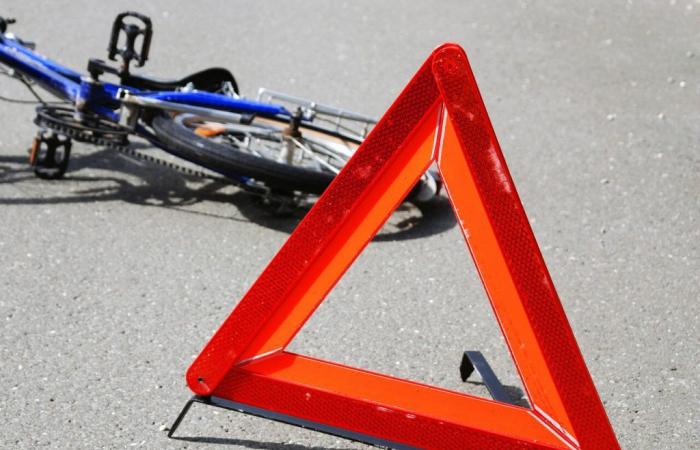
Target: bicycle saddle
pixel 205 80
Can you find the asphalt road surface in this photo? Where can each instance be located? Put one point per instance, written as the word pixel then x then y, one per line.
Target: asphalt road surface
pixel 112 279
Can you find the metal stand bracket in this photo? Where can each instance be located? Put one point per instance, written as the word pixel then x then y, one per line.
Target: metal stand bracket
pixel 473 360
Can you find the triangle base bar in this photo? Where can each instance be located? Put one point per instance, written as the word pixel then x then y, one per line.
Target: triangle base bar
pixel 472 361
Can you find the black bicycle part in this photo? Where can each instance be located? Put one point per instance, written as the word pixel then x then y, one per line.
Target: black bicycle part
pixel 292 130
pixel 83 127
pixel 132 31
pixel 49 155
pixel 97 67
pixel 209 80
pixel 4 22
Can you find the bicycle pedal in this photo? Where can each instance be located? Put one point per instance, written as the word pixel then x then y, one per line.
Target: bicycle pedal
pixel 133 26
pixel 49 155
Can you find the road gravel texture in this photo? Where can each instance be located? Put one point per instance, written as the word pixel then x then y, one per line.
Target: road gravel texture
pixel 112 279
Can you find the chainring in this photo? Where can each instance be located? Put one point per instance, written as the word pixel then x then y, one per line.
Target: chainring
pixel 89 128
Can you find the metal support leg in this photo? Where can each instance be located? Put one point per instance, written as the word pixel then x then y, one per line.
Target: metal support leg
pixel 185 410
pixel 475 360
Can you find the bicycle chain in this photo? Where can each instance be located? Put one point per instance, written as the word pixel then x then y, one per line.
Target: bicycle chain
pixel 123 148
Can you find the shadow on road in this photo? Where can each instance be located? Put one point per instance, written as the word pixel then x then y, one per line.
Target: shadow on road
pixel 253 444
pixel 105 175
pixel 516 394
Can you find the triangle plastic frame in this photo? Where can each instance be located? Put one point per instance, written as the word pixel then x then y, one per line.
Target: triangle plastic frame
pixel 438 118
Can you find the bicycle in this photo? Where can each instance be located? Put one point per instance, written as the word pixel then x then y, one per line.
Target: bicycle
pixel 278 146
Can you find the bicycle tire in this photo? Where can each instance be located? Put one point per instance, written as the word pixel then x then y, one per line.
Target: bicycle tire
pixel 230 161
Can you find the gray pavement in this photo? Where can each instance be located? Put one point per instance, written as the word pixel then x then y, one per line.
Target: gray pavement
pixel 112 279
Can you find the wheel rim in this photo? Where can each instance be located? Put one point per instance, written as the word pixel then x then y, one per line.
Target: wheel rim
pixel 265 138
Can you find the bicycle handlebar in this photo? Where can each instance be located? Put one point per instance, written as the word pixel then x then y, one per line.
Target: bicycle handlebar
pixel 4 22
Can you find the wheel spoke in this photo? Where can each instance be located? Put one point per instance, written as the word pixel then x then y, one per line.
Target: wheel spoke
pixel 315 157
pixel 264 140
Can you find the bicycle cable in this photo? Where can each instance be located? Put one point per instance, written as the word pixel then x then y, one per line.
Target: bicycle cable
pixel 30 88
pixel 19 101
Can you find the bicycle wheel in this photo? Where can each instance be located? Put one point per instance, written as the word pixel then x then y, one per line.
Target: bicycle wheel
pixel 306 160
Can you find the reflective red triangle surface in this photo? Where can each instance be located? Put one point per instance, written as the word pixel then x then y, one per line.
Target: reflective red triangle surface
pixel 439 117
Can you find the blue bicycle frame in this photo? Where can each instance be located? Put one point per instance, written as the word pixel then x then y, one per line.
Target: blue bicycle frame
pixel 123 104
pixel 102 98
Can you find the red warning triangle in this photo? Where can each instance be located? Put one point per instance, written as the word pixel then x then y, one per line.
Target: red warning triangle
pixel 439 117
